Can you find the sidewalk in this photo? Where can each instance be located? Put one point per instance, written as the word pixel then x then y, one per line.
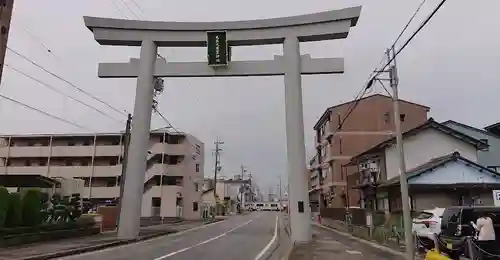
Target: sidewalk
pixel 327 244
pixel 65 247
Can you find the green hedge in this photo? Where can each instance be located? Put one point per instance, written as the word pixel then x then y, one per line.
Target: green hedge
pixel 31 208
pixel 4 205
pixel 14 212
pixel 21 236
pixel 80 224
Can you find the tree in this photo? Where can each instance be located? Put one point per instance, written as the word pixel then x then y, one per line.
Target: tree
pixel 15 211
pixel 4 205
pixel 75 206
pixel 31 209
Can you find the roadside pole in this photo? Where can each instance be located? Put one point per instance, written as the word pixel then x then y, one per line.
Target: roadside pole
pixel 126 142
pixel 405 198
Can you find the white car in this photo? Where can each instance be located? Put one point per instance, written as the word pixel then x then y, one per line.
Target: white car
pixel 428 223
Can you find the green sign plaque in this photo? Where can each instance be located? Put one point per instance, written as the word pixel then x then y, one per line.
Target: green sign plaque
pixel 218 51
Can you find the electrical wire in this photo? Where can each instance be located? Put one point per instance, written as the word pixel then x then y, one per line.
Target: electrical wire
pixel 420 27
pixel 378 71
pixel 62 93
pixel 139 7
pixel 65 81
pixel 118 9
pixel 40 43
pixel 45 113
pixel 173 128
pixel 409 22
pixel 130 9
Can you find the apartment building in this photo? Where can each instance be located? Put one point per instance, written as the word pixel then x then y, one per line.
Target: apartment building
pixel 371 122
pixel 174 174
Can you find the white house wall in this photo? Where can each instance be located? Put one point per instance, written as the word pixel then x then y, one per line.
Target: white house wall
pixel 454 173
pixel 423 147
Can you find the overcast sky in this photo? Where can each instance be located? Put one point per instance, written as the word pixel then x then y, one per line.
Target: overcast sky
pixel 452 66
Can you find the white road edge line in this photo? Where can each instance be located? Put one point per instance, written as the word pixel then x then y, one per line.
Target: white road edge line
pixel 205 241
pixel 144 241
pixel 275 236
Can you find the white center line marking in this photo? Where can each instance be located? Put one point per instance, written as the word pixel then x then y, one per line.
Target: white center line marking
pixel 270 242
pixel 353 252
pixel 205 241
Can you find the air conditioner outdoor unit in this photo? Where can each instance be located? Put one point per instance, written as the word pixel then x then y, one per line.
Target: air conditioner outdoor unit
pixel 364 166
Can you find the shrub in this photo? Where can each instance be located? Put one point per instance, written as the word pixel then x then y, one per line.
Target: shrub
pixel 31 209
pixel 75 209
pixel 14 212
pixel 4 205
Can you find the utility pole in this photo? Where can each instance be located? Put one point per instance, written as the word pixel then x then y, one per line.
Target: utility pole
pixel 126 143
pixel 405 198
pixel 6 7
pixel 281 194
pixel 242 186
pixel 217 143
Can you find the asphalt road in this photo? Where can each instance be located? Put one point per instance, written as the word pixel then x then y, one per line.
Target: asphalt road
pixel 239 238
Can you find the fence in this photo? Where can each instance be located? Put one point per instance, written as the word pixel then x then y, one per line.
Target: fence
pixel 381 227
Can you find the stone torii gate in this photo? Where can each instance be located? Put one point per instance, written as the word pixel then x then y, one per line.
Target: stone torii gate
pixel 219 37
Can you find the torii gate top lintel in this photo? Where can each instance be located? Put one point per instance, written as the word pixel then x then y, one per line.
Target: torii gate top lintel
pixel 327 25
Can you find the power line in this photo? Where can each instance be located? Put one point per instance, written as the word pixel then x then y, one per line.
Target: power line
pixel 45 47
pixel 139 7
pixel 118 9
pixel 45 113
pixel 378 71
pixel 173 128
pixel 65 80
pixel 129 9
pixel 408 23
pixel 62 93
pixel 420 27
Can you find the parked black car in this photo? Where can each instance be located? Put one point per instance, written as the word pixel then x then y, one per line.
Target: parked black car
pixel 456 226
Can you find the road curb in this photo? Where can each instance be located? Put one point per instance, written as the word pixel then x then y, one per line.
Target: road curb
pixel 383 248
pixel 89 249
pixel 274 245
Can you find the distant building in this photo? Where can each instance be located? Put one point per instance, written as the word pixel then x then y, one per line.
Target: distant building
pixel 97 159
pixel 371 122
pixel 489 157
pixel 441 167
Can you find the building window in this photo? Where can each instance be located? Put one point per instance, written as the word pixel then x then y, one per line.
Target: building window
pixel 195 206
pixel 197 167
pixel 387 118
pixel 86 142
pixel 31 143
pixel 69 163
pixel 402 117
pixel 71 143
pixel 42 162
pixel 113 161
pixel 27 163
pixel 196 187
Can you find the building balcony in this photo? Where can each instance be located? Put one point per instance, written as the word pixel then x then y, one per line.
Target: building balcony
pixel 25 151
pixel 101 192
pixel 170 149
pixel 156 191
pixel 86 171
